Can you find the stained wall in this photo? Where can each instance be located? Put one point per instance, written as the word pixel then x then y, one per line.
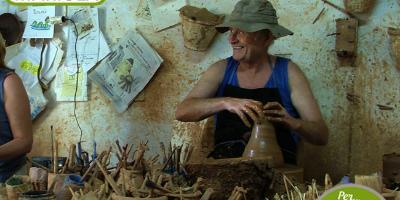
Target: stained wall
pixel 360 132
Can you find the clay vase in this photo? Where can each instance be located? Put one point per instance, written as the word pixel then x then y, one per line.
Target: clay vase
pixel 263 144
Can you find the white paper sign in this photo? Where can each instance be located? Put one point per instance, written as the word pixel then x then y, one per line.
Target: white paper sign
pixel 36 26
pixel 91 46
pixel 165 13
pixel 127 70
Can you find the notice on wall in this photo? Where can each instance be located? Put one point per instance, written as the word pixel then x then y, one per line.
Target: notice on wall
pixel 127 70
pixel 70 85
pixel 26 61
pixel 36 26
pixel 165 13
pixel 91 45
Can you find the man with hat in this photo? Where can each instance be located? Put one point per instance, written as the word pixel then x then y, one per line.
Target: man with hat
pixel 251 83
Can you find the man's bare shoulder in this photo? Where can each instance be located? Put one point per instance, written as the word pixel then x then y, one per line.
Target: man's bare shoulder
pixel 220 65
pixel 294 70
pixel 216 70
pixel 298 81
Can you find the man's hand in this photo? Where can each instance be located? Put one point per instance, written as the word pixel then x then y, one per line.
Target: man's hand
pixel 244 108
pixel 275 112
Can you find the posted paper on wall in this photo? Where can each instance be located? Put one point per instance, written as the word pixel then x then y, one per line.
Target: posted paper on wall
pixel 127 70
pixel 165 13
pixel 36 26
pixel 91 45
pixel 27 58
pixel 66 86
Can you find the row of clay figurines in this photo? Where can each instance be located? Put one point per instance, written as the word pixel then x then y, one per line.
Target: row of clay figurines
pixel 263 143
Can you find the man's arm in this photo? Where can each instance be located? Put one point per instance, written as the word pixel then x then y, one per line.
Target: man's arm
pixel 200 102
pixel 311 126
pixel 18 111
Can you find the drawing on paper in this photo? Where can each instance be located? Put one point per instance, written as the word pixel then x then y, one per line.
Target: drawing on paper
pixel 83 21
pixel 123 71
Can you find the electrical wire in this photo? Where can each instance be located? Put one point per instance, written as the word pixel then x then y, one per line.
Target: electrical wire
pixel 39 71
pixel 77 76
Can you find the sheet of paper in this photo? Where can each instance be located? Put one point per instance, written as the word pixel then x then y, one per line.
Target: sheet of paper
pixel 49 70
pixel 26 62
pixel 164 13
pixel 91 45
pixel 83 20
pixel 65 86
pixel 37 100
pixel 127 70
pixel 104 49
pixel 36 26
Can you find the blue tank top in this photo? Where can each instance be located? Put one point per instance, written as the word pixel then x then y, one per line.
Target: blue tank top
pixel 7 167
pixel 278 79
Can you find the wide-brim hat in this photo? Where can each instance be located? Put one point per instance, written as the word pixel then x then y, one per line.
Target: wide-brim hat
pixel 252 16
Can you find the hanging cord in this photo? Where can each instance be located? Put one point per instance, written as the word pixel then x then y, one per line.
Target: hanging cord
pixel 77 75
pixel 39 71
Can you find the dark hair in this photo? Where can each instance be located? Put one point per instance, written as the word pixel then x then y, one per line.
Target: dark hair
pixel 10 28
pixel 2 55
pixel 266 32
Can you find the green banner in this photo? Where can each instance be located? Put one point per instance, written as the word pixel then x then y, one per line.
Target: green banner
pixel 351 192
pixel 55 2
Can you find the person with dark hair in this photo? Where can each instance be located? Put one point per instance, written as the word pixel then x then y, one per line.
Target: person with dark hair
pixel 252 84
pixel 10 28
pixel 15 120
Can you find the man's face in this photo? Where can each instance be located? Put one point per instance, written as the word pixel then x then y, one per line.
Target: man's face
pixel 246 46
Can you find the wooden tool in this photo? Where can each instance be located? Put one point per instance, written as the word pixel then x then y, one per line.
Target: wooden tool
pixel 162 147
pixel 109 179
pixel 52 146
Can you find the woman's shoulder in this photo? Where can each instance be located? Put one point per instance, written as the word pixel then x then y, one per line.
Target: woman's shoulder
pixel 5 72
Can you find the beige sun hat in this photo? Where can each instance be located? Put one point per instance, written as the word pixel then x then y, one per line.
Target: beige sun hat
pixel 252 16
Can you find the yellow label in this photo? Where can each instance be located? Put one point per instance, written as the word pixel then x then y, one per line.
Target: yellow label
pixel 27 66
